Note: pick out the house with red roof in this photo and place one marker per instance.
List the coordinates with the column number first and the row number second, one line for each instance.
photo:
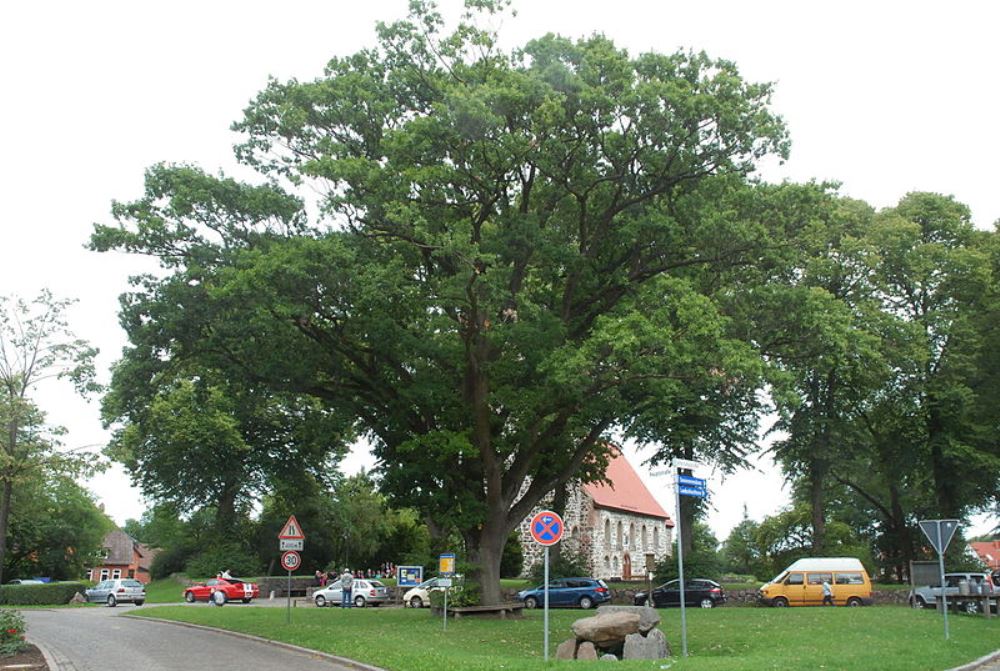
column 618, row 526
column 123, row 557
column 988, row 552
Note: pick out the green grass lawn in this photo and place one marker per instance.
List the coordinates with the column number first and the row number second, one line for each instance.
column 723, row 639
column 166, row 590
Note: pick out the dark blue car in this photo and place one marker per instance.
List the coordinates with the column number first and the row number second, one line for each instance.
column 568, row 593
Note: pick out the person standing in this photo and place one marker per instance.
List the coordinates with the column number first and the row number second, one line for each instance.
column 827, row 593
column 346, row 581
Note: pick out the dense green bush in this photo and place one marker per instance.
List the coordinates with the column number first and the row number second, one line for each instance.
column 47, row 594
column 170, row 561
column 11, row 632
column 512, row 559
column 565, row 564
column 232, row 557
column 464, row 594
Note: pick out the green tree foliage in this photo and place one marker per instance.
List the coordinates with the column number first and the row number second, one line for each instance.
column 36, row 344
column 512, row 561
column 703, row 561
column 511, row 265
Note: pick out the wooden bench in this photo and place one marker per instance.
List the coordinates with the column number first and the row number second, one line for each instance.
column 501, row 609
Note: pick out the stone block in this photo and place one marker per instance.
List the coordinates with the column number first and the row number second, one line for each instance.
column 609, row 658
column 566, row 649
column 586, row 651
column 607, row 631
column 653, row 646
column 649, row 619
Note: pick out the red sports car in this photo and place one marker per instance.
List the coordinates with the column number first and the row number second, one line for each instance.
column 221, row 590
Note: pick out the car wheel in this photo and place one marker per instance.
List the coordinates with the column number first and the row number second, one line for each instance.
column 189, row 597
column 246, row 600
column 320, row 601
column 219, row 598
column 112, row 601
column 531, row 602
column 707, row 603
column 139, row 603
column 970, row 607
column 854, row 602
column 586, row 602
column 917, row 602
column 780, row 602
column 416, row 602
column 640, row 601
column 359, row 602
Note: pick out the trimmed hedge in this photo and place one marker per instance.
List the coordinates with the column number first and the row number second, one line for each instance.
column 47, row 594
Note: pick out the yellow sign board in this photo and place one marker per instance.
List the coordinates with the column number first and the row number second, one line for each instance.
column 446, row 565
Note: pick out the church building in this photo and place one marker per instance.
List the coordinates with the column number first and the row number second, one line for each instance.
column 619, row 527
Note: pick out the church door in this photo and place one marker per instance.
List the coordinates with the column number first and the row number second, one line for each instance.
column 627, row 567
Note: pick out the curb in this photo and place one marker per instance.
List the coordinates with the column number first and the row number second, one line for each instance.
column 982, row 661
column 47, row 654
column 343, row 661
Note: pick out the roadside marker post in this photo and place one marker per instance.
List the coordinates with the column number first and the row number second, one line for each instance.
column 684, row 485
column 446, row 569
column 546, row 529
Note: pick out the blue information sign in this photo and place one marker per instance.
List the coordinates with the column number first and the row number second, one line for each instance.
column 697, row 492
column 691, row 481
column 409, row 576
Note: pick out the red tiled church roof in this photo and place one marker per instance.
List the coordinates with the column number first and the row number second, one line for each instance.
column 626, row 492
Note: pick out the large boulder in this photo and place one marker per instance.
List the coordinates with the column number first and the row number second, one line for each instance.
column 608, row 630
column 652, row 646
column 648, row 617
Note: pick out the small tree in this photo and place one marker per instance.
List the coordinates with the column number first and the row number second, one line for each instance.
column 36, row 344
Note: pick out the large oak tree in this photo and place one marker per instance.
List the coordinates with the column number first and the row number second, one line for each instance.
column 509, row 260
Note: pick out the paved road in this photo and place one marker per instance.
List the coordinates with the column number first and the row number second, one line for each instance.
column 99, row 639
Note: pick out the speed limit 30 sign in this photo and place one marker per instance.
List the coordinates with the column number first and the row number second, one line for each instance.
column 290, row 560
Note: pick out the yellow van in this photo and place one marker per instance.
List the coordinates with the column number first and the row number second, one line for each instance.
column 801, row 584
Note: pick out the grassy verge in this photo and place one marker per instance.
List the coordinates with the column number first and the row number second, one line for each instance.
column 722, row 639
column 167, row 590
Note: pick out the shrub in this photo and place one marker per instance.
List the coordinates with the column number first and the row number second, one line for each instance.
column 170, row 561
column 11, row 632
column 48, row 594
column 465, row 594
column 567, row 564
column 512, row 559
column 233, row 558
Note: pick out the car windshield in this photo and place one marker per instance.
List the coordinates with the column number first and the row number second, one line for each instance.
column 376, row 583
column 779, row 577
column 131, row 583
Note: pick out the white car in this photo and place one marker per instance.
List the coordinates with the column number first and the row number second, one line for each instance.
column 420, row 596
column 363, row 593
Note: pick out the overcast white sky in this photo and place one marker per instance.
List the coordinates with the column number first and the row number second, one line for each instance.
column 885, row 97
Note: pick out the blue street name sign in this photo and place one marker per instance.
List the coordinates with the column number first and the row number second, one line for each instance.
column 691, row 481
column 697, row 492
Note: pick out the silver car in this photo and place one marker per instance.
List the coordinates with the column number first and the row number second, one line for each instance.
column 364, row 592
column 119, row 590
column 926, row 596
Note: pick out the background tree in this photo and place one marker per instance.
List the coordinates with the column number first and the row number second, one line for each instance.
column 506, row 275
column 36, row 344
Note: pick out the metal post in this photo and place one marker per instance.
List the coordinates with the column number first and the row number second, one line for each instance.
column 446, row 608
column 288, row 600
column 546, row 615
column 944, row 596
column 680, row 564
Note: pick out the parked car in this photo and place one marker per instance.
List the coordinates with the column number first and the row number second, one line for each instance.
column 118, row 590
column 19, row 581
column 926, row 596
column 801, row 584
column 420, row 596
column 699, row 592
column 364, row 592
column 222, row 590
column 568, row 592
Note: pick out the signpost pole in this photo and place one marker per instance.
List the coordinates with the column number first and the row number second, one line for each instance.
column 546, row 616
column 680, row 562
column 944, row 595
column 446, row 590
column 288, row 600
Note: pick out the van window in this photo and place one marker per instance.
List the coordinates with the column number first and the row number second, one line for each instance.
column 819, row 578
column 853, row 578
column 794, row 579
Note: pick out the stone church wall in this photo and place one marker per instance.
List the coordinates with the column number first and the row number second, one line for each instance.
column 609, row 539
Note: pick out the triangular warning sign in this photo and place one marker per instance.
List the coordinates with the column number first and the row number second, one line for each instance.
column 291, row 530
column 939, row 532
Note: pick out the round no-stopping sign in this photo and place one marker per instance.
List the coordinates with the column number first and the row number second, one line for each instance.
column 546, row 527
column 290, row 560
